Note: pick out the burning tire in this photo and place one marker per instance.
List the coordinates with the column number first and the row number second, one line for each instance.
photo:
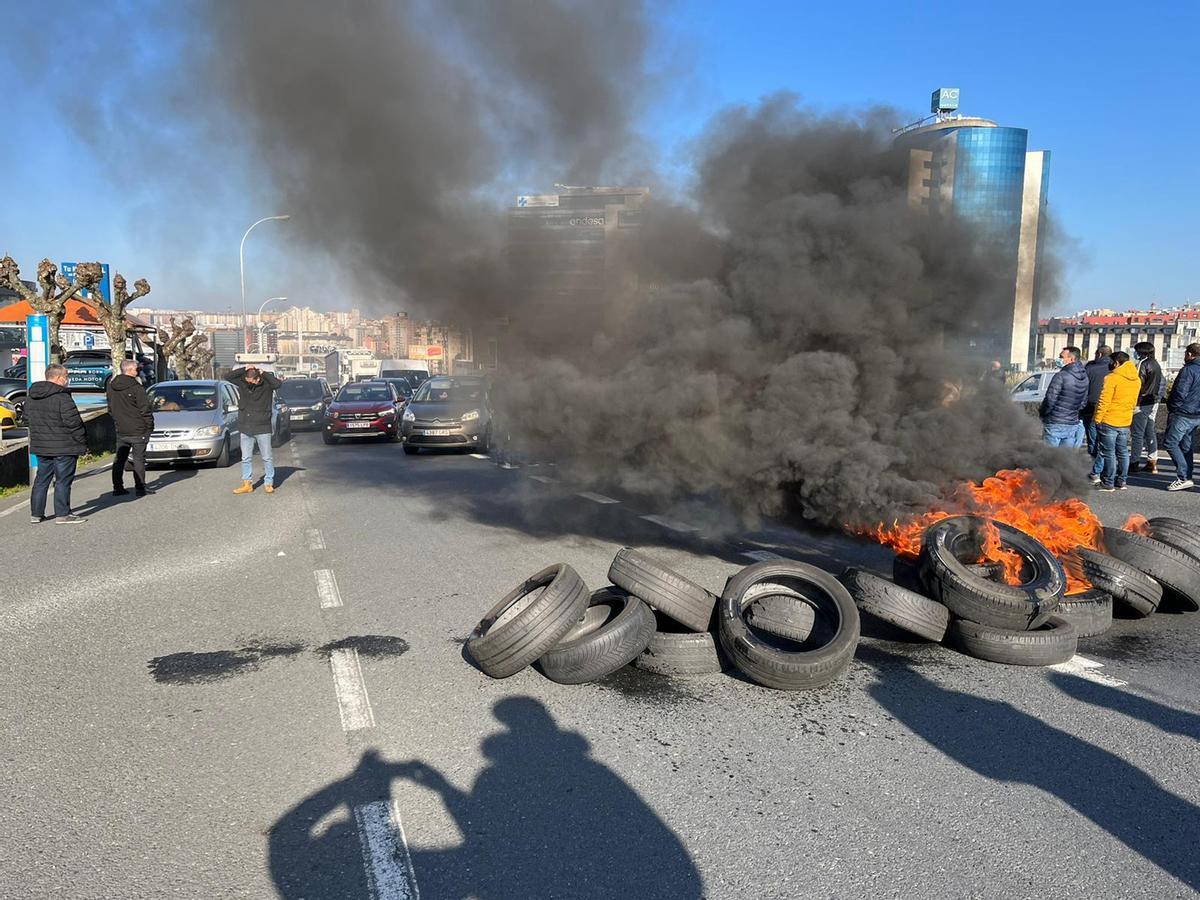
column 780, row 662
column 979, row 599
column 1172, row 568
column 1052, row 643
column 778, row 610
column 665, row 590
column 1178, row 534
column 898, row 606
column 674, row 651
column 531, row 619
column 1127, row 585
column 1091, row 612
column 615, row 628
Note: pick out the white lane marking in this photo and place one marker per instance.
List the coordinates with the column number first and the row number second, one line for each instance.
column 327, row 589
column 316, row 540
column 479, row 456
column 12, row 509
column 543, row 479
column 386, row 859
column 673, row 524
column 762, row 555
column 1083, row 667
column 24, row 504
column 597, row 498
column 353, row 704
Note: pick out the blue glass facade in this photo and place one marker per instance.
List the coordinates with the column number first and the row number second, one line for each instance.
column 989, row 178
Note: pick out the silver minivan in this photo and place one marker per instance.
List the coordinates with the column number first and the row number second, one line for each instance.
column 196, row 421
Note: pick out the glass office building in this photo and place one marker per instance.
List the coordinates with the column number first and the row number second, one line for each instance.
column 987, row 175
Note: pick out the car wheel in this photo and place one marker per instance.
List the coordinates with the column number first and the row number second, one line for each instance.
column 328, row 438
column 486, row 442
column 223, row 459
column 410, row 450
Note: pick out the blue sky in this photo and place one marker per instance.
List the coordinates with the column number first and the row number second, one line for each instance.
column 1108, row 89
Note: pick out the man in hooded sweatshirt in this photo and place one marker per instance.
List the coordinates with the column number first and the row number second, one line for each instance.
column 1114, row 413
column 57, row 437
column 1065, row 398
column 129, row 406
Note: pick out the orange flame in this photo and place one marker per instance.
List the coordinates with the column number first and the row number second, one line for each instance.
column 1138, row 524
column 1013, row 497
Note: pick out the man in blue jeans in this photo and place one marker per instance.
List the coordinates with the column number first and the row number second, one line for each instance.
column 1183, row 418
column 256, row 401
column 1065, row 398
column 57, row 437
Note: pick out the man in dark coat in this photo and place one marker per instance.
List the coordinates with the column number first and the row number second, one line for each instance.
column 1065, row 398
column 1144, row 431
column 256, row 401
column 129, row 406
column 58, row 439
column 1183, row 418
column 1097, row 370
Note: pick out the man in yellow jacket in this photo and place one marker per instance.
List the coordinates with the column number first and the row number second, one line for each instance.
column 1114, row 413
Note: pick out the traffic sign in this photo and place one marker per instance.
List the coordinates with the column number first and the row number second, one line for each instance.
column 89, row 341
column 68, row 272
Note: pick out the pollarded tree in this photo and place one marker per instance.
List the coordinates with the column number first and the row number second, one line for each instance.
column 175, row 346
column 198, row 356
column 112, row 315
column 55, row 291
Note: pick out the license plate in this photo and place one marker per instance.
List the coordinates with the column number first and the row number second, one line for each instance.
column 297, row 415
column 161, row 446
column 438, row 431
column 358, row 424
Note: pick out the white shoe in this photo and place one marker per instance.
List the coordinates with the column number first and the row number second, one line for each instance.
column 1180, row 484
column 1094, row 479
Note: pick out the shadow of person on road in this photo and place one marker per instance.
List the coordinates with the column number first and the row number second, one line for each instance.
column 1002, row 743
column 1168, row 718
column 543, row 819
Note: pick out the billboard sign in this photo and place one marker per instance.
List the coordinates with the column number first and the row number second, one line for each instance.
column 425, row 351
column 68, row 272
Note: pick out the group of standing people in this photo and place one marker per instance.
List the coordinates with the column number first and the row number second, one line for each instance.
column 1112, row 403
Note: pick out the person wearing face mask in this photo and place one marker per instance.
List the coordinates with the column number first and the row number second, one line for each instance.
column 1143, row 433
column 1114, row 413
column 1065, row 398
column 1183, row 418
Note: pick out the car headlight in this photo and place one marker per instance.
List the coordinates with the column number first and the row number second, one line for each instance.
column 387, row 413
column 409, row 416
column 316, row 407
column 470, row 416
column 333, row 415
column 208, row 431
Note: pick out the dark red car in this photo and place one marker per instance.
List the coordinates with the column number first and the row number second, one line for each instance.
column 364, row 409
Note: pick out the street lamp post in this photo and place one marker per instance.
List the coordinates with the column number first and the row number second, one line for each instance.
column 242, row 268
column 260, row 321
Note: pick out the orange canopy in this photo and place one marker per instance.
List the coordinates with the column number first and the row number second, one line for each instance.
column 78, row 313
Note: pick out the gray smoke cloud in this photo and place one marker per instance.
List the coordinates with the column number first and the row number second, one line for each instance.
column 792, row 344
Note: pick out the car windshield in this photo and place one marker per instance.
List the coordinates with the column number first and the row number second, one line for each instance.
column 403, row 388
column 298, row 389
column 449, row 390
column 183, row 397
column 1029, row 384
column 364, row 393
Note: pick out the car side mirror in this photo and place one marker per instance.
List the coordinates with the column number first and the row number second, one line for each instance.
column 232, row 408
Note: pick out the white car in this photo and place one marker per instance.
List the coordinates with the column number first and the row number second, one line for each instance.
column 1033, row 389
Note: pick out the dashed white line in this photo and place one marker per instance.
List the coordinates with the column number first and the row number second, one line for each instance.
column 1082, row 667
column 353, row 704
column 479, row 456
column 597, row 498
column 544, row 479
column 762, row 555
column 316, row 540
column 327, row 589
column 673, row 524
column 386, row 859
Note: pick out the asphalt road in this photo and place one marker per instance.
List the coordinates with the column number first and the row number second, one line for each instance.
column 209, row 695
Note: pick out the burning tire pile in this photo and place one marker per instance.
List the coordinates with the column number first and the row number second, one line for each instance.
column 942, row 596
column 783, row 624
column 791, row 626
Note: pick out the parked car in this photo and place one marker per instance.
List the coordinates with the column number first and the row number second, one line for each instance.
column 12, row 392
column 449, row 412
column 307, row 400
column 8, row 415
column 1032, row 389
column 196, row 421
column 364, row 409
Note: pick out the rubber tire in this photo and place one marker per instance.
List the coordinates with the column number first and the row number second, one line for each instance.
column 992, row 571
column 486, row 444
column 329, row 439
column 504, row 649
column 896, row 605
column 783, row 669
column 1172, row 568
column 675, row 652
column 906, row 572
column 1178, row 534
column 599, row 645
column 1053, row 643
column 665, row 590
column 979, row 599
column 411, row 451
column 1128, row 586
column 1091, row 612
column 773, row 608
column 224, row 458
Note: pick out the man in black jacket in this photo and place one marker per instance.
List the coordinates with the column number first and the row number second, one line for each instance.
column 129, row 407
column 1097, row 370
column 256, row 401
column 1065, row 399
column 1144, row 432
column 57, row 438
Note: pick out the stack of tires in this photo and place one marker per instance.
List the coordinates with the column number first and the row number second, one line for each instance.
column 783, row 624
column 1141, row 570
